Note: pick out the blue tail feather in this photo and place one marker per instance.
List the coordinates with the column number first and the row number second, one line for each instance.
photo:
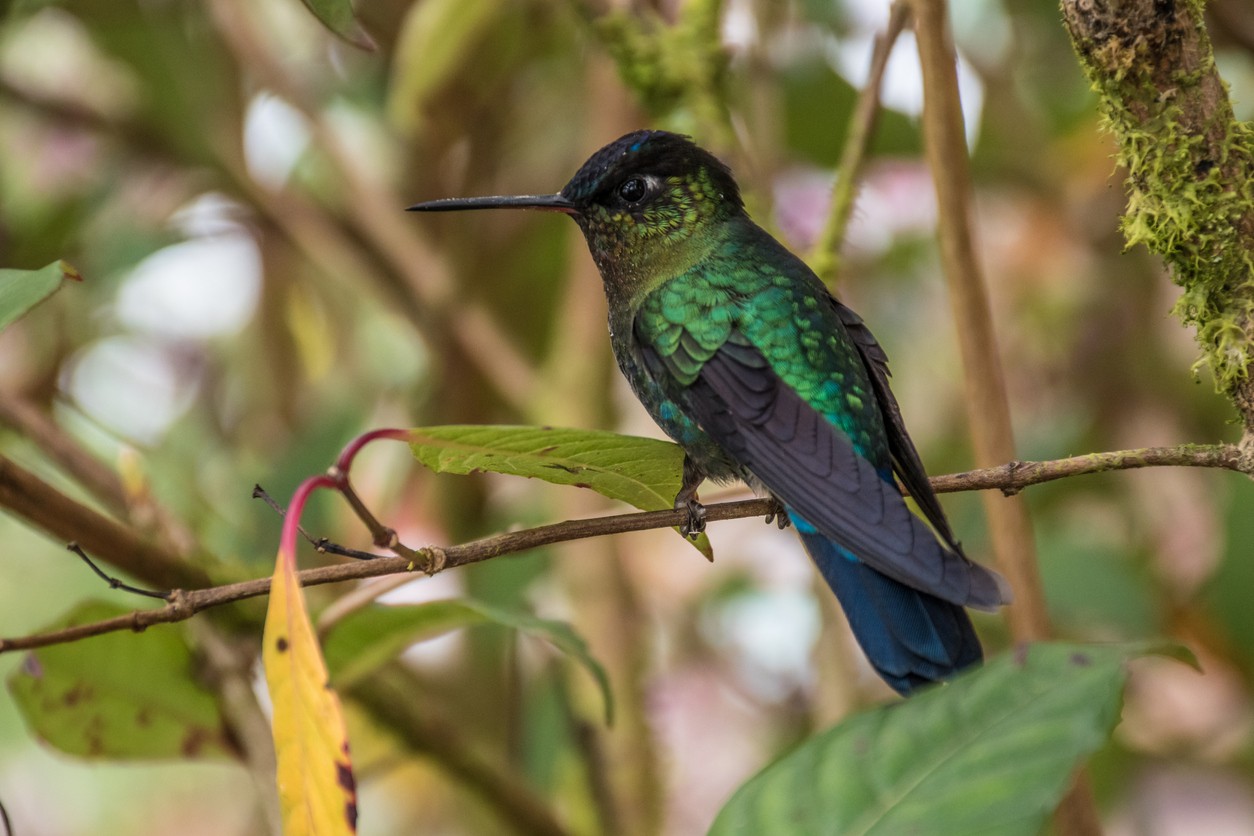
column 911, row 638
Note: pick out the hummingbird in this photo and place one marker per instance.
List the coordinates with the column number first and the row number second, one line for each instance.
column 743, row 357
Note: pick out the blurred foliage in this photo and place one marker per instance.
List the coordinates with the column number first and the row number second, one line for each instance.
column 120, row 696
column 311, row 308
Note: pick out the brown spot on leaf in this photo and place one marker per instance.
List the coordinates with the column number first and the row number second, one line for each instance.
column 79, row 693
column 280, row 644
column 344, row 777
column 1081, row 660
column 143, row 717
column 194, row 741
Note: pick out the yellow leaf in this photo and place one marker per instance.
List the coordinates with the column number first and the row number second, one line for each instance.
column 317, row 792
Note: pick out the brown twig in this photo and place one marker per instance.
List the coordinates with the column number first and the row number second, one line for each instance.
column 98, row 478
column 66, row 519
column 34, row 424
column 1009, row 477
column 115, row 583
column 228, row 668
column 988, row 408
column 1013, row 477
column 825, row 259
column 389, row 696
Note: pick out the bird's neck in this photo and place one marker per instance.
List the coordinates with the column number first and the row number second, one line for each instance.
column 632, row 271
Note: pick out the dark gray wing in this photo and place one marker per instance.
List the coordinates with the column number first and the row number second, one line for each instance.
column 811, row 466
column 906, row 462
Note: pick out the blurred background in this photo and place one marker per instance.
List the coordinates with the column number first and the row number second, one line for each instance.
column 230, row 179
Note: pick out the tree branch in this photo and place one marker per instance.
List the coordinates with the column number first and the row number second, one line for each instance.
column 1008, row 478
column 825, row 258
column 1012, row 477
column 1190, row 166
column 988, row 409
column 390, row 698
column 67, row 520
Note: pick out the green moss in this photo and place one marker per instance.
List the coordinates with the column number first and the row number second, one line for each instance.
column 677, row 71
column 1190, row 179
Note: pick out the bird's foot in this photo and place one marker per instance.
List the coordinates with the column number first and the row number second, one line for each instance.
column 779, row 516
column 686, row 499
column 695, row 524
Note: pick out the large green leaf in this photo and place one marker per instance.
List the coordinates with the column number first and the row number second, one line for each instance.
column 21, row 290
column 991, row 752
column 370, row 637
column 643, row 472
column 119, row 695
column 1227, row 594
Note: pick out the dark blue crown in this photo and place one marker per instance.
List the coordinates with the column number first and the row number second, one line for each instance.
column 660, row 153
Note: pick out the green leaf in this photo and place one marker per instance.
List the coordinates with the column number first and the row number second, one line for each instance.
column 643, row 472
column 991, row 752
column 1227, row 593
column 338, row 16
column 21, row 290
column 119, row 695
column 368, row 638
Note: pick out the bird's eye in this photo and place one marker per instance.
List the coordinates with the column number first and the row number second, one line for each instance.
column 632, row 191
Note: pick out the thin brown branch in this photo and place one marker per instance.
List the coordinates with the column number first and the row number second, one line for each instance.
column 116, row 583
column 1010, row 478
column 988, row 409
column 35, row 425
column 389, row 696
column 101, row 481
column 66, row 519
column 825, row 259
column 228, row 667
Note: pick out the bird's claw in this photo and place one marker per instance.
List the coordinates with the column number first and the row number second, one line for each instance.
column 695, row 524
column 779, row 516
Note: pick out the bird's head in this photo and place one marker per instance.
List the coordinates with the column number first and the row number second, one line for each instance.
column 640, row 201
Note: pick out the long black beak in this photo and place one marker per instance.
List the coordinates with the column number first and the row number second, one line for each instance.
column 543, row 202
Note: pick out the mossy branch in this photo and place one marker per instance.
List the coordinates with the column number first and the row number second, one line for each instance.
column 1190, row 167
